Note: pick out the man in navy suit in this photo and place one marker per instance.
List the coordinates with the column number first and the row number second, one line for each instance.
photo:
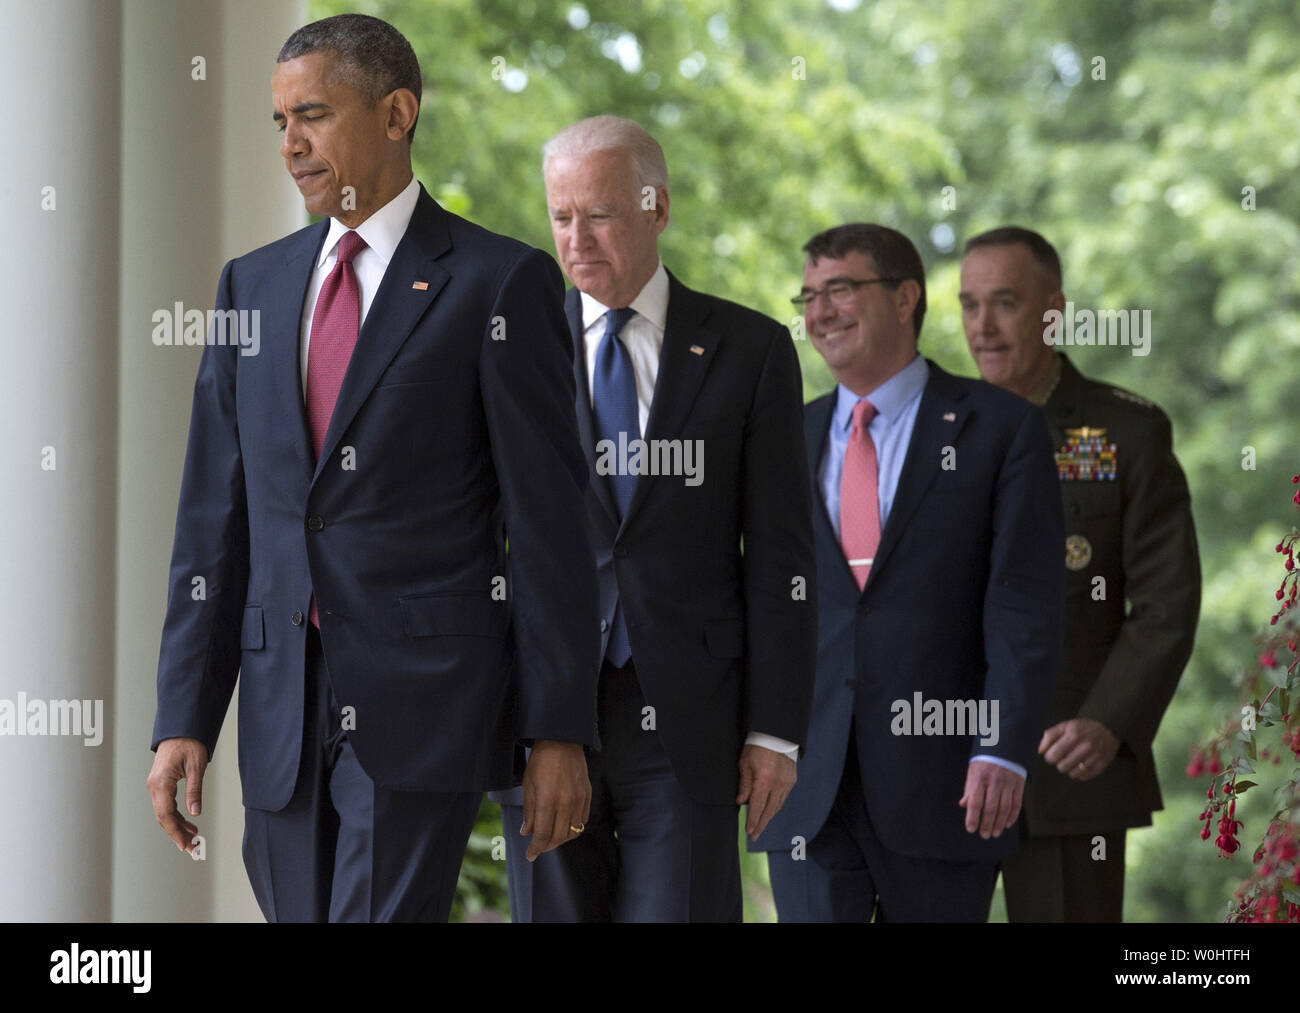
column 340, row 539
column 688, row 407
column 938, row 532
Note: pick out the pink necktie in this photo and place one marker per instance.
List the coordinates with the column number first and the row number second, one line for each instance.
column 859, row 500
column 334, row 327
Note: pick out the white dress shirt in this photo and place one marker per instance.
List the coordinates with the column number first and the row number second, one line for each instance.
column 644, row 337
column 382, row 231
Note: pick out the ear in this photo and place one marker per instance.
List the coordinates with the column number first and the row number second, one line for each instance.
column 1056, row 301
column 660, row 209
column 906, row 296
column 403, row 108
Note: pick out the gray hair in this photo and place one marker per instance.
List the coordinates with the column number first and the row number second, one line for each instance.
column 611, row 133
column 373, row 57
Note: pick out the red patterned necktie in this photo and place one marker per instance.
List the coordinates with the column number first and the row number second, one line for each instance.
column 859, row 499
column 333, row 336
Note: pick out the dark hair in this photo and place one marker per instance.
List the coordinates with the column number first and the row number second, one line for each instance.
column 891, row 252
column 1043, row 252
column 372, row 56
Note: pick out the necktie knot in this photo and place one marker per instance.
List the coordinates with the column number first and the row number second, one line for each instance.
column 350, row 244
column 863, row 412
column 616, row 319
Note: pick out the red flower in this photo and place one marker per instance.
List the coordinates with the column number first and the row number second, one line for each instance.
column 1227, row 842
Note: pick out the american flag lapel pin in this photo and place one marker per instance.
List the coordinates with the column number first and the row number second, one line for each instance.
column 950, row 416
column 697, row 349
column 420, row 286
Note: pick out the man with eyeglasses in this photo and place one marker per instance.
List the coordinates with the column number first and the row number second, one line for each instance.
column 937, row 527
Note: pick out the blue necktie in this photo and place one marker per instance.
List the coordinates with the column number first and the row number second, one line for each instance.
column 614, row 411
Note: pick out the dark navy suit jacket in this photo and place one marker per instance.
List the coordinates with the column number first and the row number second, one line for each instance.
column 723, row 641
column 444, row 442
column 964, row 601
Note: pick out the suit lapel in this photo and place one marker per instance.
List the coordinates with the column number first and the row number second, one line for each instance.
column 284, row 316
column 684, row 360
column 582, row 403
column 939, row 421
column 396, row 308
column 816, row 431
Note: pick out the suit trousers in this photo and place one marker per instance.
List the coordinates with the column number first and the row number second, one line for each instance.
column 1063, row 879
column 847, row 875
column 344, row 849
column 649, row 852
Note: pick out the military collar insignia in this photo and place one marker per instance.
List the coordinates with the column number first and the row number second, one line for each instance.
column 1130, row 396
column 1048, row 386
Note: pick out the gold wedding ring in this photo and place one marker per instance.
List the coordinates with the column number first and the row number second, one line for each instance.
column 579, row 828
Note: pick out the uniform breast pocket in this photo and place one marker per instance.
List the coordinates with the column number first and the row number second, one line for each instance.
column 1090, row 499
column 1094, row 515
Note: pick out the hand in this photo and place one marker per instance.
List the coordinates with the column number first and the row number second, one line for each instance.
column 1080, row 748
column 178, row 760
column 991, row 799
column 766, row 778
column 557, row 795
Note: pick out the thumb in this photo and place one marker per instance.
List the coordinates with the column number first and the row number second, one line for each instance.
column 193, row 787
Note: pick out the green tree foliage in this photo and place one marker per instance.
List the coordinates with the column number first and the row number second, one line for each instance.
column 783, row 118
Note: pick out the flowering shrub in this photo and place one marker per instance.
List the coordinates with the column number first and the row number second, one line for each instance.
column 1272, row 891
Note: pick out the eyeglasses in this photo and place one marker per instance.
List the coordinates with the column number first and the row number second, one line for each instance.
column 840, row 293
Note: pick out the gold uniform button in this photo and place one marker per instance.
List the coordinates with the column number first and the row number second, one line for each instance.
column 1078, row 552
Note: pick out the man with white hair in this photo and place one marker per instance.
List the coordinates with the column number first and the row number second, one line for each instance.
column 708, row 652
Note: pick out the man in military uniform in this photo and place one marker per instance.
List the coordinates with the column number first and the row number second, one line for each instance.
column 1133, row 588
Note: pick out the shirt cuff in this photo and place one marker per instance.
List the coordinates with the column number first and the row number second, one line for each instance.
column 1015, row 768
column 790, row 749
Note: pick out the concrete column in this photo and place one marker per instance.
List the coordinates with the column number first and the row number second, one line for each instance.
column 59, row 163
column 202, row 183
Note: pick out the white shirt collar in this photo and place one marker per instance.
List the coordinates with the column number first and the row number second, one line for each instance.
column 651, row 302
column 383, row 230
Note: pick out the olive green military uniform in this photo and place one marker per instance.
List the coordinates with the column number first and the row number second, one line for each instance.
column 1133, row 592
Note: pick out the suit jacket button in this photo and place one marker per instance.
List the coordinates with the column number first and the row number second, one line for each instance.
column 315, row 522
column 620, row 552
column 296, row 618
column 603, row 626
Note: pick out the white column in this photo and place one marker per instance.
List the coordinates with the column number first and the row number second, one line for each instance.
column 60, row 103
column 202, row 183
